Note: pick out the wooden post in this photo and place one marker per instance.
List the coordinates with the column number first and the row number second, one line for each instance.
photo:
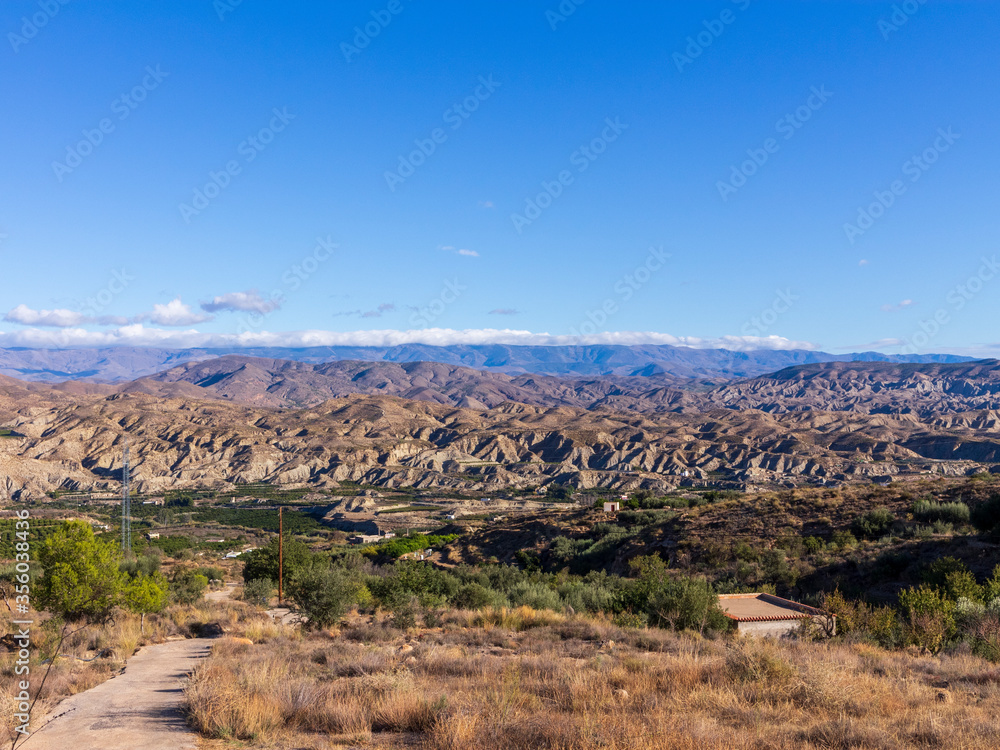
column 281, row 560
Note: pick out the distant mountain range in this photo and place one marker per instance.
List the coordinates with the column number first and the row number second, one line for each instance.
column 238, row 419
column 117, row 364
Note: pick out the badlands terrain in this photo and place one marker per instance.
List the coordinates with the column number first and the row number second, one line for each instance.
column 237, row 419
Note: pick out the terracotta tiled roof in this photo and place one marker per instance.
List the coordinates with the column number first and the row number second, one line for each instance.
column 764, row 608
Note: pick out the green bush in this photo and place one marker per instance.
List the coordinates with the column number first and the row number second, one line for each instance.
column 812, row 544
column 400, row 546
column 986, row 515
column 874, row 524
column 212, row 573
column 687, row 604
column 477, row 596
column 991, row 588
column 144, row 565
column 936, row 574
column 928, row 616
column 536, row 596
column 323, row 593
column 929, row 511
column 187, row 586
column 258, row 591
column 843, row 540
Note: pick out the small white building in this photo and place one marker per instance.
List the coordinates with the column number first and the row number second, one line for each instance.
column 153, row 535
column 769, row 615
column 612, row 507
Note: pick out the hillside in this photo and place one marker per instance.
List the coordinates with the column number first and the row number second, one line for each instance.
column 75, row 442
column 870, row 388
column 284, row 383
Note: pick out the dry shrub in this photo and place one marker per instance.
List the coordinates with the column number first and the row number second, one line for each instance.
column 224, row 704
column 848, row 734
column 405, row 711
column 517, row 619
column 757, row 662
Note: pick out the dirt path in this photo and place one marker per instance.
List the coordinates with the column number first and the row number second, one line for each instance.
column 139, row 709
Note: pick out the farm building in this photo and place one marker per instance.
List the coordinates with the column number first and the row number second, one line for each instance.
column 769, row 615
column 612, row 507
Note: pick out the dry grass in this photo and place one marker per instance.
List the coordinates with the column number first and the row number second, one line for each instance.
column 90, row 655
column 494, row 681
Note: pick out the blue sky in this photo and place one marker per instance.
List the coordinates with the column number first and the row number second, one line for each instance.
column 741, row 174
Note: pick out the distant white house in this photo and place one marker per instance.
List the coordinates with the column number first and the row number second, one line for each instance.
column 623, row 498
column 612, row 507
column 152, row 534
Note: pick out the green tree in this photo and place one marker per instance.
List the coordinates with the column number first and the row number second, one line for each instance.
column 146, row 595
column 263, row 562
column 81, row 574
column 258, row 591
column 187, row 586
column 323, row 593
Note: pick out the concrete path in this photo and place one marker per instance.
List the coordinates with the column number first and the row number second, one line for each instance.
column 139, row 709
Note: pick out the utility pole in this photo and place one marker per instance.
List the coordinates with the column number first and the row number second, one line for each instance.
column 281, row 557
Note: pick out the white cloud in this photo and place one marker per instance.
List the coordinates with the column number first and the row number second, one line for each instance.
column 249, row 301
column 140, row 335
column 503, row 311
column 176, row 313
column 376, row 313
column 459, row 251
column 55, row 318
column 486, row 204
column 862, row 262
column 904, row 304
